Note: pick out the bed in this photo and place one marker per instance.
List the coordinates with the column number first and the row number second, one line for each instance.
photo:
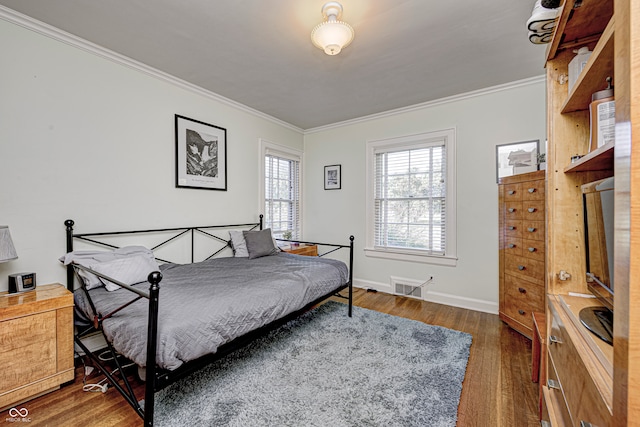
column 186, row 315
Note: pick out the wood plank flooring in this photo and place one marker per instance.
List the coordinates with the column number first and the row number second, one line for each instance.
column 497, row 389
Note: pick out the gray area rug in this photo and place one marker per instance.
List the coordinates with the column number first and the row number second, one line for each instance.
column 327, row 370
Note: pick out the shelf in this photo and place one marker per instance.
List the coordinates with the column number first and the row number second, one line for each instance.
column 599, row 159
column 579, row 25
column 594, row 75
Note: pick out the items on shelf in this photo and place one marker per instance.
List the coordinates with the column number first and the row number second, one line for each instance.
column 542, row 23
column 577, row 64
column 602, row 117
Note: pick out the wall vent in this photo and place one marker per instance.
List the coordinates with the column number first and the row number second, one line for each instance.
column 408, row 290
column 410, row 287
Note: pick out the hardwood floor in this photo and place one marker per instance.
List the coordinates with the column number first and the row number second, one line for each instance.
column 497, row 389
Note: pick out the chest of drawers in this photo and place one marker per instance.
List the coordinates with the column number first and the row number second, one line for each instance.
column 521, row 210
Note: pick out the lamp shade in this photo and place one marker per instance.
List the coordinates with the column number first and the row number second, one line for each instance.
column 7, row 250
column 332, row 35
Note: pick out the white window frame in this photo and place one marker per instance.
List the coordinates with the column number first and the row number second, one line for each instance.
column 270, row 148
column 446, row 136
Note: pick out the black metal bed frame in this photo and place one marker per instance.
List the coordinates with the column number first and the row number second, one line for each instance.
column 156, row 378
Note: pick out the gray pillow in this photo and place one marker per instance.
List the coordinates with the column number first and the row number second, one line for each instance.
column 259, row 243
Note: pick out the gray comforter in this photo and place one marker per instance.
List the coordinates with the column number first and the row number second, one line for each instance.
column 207, row 304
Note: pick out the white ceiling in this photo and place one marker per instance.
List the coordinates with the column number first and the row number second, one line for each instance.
column 259, row 52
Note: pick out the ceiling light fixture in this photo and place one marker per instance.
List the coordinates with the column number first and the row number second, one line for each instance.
column 332, row 35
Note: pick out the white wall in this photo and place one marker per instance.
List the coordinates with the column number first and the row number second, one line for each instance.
column 86, row 138
column 510, row 113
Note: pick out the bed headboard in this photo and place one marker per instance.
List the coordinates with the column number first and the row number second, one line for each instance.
column 168, row 236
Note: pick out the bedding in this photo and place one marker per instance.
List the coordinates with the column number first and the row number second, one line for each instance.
column 207, row 304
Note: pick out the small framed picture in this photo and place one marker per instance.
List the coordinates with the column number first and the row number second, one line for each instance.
column 201, row 155
column 516, row 158
column 332, row 177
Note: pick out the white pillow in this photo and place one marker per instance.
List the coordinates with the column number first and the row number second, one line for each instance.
column 129, row 270
column 90, row 259
column 238, row 244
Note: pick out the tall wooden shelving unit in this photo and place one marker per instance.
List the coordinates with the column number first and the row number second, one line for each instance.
column 587, row 380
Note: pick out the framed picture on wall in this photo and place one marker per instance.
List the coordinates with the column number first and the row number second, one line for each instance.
column 516, row 158
column 332, row 177
column 201, row 155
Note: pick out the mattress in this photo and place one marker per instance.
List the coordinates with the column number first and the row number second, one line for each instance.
column 207, row 304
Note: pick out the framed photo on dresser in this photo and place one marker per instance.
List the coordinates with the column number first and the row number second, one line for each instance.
column 516, row 158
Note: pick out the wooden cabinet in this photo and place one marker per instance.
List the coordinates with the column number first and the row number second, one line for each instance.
column 302, row 249
column 36, row 343
column 522, row 249
column 586, row 383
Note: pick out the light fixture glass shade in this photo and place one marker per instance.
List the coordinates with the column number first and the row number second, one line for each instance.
column 7, row 250
column 332, row 36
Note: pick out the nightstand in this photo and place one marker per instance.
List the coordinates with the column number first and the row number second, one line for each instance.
column 36, row 343
column 301, row 249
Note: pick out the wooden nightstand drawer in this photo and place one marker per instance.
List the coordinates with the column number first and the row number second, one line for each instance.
column 533, row 210
column 524, row 267
column 533, row 230
column 513, row 210
column 512, row 192
column 533, row 249
column 533, row 190
column 513, row 246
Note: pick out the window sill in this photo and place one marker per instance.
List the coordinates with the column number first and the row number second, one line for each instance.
column 412, row 256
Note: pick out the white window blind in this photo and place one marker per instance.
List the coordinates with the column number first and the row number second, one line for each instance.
column 282, row 194
column 410, row 198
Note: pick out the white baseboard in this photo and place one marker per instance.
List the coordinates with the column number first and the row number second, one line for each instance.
column 436, row 297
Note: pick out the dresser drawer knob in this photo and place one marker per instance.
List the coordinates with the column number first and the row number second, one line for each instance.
column 554, row 340
column 522, row 290
column 531, row 229
column 512, row 210
column 531, row 190
column 512, row 227
column 511, row 246
column 532, row 249
column 553, row 384
column 522, row 312
column 531, row 210
column 521, row 267
column 511, row 192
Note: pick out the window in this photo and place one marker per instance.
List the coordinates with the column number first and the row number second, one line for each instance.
column 411, row 198
column 281, row 190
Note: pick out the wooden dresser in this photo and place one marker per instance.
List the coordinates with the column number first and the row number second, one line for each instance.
column 36, row 343
column 301, row 249
column 522, row 249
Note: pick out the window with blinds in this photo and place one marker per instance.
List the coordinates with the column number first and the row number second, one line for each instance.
column 282, row 195
column 411, row 198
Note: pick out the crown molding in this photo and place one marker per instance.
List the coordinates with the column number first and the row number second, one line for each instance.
column 429, row 104
column 57, row 34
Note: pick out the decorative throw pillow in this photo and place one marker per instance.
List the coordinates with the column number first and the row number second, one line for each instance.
column 259, row 243
column 238, row 244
